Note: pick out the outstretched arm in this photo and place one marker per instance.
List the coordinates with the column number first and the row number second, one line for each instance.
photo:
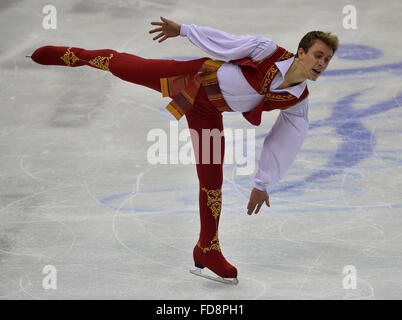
column 215, row 42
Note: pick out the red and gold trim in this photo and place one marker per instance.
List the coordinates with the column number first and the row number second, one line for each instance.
column 99, row 62
column 273, row 70
column 69, row 58
column 214, row 202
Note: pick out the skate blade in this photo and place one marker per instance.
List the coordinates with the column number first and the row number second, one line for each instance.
column 198, row 272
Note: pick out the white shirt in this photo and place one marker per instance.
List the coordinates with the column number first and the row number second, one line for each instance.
column 286, row 136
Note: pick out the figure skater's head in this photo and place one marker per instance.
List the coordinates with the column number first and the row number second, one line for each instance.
column 315, row 51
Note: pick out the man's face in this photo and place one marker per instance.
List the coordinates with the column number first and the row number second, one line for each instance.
column 316, row 59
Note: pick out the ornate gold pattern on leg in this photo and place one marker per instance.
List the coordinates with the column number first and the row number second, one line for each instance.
column 215, row 204
column 69, row 58
column 214, row 245
column 101, row 62
column 214, row 201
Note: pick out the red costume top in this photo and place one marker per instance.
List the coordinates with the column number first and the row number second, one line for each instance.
column 259, row 74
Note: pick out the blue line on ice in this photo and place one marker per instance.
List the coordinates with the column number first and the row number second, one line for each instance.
column 357, row 144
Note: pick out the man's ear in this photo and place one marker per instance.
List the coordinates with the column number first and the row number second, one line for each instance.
column 300, row 52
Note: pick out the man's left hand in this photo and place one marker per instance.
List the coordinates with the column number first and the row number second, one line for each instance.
column 257, row 199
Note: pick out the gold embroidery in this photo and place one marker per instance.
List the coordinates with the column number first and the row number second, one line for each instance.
column 69, row 57
column 286, row 56
column 214, row 202
column 272, row 72
column 278, row 97
column 268, row 78
column 101, row 62
column 214, row 245
column 292, row 104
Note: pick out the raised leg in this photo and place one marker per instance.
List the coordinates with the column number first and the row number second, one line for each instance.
column 128, row 67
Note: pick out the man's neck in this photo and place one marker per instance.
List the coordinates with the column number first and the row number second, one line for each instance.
column 296, row 74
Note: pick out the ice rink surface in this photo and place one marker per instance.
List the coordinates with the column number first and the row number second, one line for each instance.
column 78, row 194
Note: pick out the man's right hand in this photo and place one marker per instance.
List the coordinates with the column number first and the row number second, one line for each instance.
column 168, row 29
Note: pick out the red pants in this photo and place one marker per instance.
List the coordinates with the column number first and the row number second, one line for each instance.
column 202, row 115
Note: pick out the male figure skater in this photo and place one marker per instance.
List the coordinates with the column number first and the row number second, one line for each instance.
column 256, row 75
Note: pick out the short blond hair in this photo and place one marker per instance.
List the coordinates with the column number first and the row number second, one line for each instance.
column 311, row 37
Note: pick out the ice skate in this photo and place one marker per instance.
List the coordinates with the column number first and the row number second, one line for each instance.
column 207, row 252
column 198, row 272
column 211, row 258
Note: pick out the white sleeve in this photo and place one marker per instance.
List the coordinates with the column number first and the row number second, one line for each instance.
column 226, row 46
column 281, row 146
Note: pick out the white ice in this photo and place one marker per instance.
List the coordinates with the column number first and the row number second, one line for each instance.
column 78, row 193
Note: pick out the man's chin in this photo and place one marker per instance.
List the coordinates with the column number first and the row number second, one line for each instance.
column 313, row 76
